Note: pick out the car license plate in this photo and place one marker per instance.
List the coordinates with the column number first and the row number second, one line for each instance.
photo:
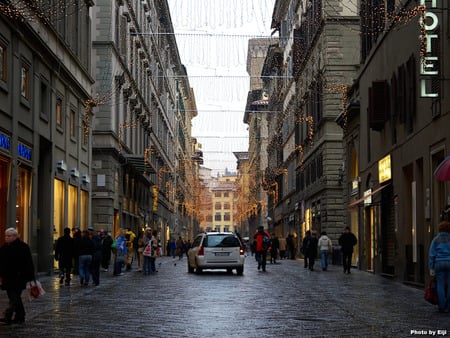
column 222, row 253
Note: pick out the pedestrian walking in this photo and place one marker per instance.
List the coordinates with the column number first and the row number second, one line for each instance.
column 107, row 241
column 147, row 252
column 120, row 252
column 64, row 255
column 311, row 250
column 262, row 240
column 274, row 246
column 325, row 245
column 291, row 246
column 347, row 241
column 439, row 265
column 97, row 256
column 130, row 236
column 304, row 248
column 140, row 249
column 16, row 270
column 155, row 250
column 173, row 247
column 168, row 248
column 86, row 251
column 180, row 248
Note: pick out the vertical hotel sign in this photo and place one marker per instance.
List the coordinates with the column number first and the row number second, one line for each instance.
column 429, row 58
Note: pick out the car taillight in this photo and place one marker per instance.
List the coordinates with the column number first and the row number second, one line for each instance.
column 201, row 251
column 241, row 250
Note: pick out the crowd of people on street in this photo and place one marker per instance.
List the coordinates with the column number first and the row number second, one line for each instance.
column 285, row 248
column 86, row 252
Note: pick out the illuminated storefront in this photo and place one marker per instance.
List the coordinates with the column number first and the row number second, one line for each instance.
column 72, row 207
column 23, row 202
column 58, row 208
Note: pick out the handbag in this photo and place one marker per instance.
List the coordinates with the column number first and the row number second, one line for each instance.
column 35, row 290
column 431, row 295
column 147, row 250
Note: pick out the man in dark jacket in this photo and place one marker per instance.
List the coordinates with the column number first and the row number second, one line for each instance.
column 311, row 251
column 305, row 246
column 96, row 257
column 107, row 241
column 274, row 246
column 16, row 269
column 64, row 253
column 347, row 241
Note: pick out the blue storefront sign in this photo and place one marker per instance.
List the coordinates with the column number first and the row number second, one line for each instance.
column 5, row 142
column 24, row 152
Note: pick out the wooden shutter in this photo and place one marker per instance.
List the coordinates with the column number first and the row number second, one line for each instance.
column 378, row 104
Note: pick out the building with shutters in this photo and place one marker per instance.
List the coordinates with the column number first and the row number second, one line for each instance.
column 394, row 136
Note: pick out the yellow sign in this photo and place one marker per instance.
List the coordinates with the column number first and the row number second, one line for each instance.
column 384, row 169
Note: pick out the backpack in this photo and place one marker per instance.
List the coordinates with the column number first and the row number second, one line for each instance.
column 266, row 242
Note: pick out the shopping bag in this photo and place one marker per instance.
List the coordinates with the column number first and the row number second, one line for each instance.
column 35, row 290
column 431, row 295
column 147, row 250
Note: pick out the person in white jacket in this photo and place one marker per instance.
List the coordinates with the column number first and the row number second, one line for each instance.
column 324, row 245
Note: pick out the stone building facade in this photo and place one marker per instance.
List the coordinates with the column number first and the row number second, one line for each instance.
column 307, row 75
column 141, row 133
column 257, row 117
column 394, row 136
column 45, row 122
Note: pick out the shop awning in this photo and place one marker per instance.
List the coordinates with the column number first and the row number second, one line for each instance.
column 355, row 203
column 139, row 164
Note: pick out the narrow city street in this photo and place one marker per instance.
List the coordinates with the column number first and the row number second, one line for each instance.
column 285, row 301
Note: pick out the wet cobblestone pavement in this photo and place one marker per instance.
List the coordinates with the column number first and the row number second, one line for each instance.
column 285, row 301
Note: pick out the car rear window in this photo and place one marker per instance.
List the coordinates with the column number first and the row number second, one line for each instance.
column 221, row 241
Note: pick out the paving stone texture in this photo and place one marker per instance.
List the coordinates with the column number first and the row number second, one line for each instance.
column 285, row 301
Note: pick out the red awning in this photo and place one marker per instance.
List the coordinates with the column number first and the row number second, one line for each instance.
column 355, row 203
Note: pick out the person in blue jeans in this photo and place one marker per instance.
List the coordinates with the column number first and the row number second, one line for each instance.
column 86, row 251
column 120, row 252
column 147, row 266
column 439, row 264
column 325, row 246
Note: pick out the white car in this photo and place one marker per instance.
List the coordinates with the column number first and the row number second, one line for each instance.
column 216, row 250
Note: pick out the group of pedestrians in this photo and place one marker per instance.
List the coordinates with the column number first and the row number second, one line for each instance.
column 312, row 245
column 178, row 247
column 86, row 252
column 265, row 243
column 279, row 248
column 148, row 249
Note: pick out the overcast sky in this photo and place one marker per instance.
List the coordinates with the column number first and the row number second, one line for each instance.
column 212, row 38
